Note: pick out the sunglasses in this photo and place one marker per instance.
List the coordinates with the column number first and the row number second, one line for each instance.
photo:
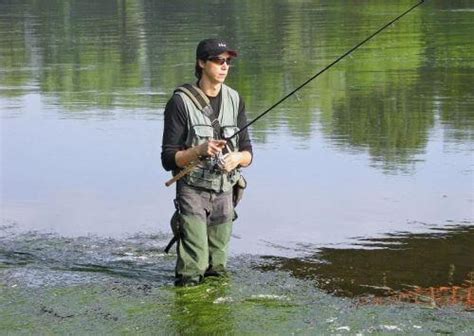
column 220, row 60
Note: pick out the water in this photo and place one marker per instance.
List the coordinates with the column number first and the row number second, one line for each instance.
column 375, row 152
column 58, row 285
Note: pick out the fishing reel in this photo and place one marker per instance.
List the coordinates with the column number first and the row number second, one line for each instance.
column 219, row 162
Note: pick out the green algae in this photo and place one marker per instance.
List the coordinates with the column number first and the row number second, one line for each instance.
column 131, row 292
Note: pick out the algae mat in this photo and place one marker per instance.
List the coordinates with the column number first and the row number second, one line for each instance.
column 88, row 285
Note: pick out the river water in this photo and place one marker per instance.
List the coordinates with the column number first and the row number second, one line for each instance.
column 362, row 180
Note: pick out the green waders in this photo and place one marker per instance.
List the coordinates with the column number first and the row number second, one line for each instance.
column 204, row 233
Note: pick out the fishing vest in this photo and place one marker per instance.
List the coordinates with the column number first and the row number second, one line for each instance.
column 206, row 175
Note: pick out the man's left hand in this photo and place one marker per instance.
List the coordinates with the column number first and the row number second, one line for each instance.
column 231, row 161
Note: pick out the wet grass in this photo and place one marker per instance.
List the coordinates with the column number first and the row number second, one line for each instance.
column 54, row 285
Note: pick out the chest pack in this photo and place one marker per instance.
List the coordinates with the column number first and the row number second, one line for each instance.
column 204, row 123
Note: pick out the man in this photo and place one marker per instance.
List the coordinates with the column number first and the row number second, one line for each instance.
column 205, row 209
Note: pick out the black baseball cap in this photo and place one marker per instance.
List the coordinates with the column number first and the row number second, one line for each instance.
column 213, row 47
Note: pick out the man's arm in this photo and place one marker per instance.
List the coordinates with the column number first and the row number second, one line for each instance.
column 245, row 145
column 244, row 156
column 175, row 132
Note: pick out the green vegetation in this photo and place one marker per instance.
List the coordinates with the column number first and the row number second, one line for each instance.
column 52, row 285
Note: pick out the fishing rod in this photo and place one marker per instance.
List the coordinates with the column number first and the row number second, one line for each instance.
column 194, row 163
column 324, row 70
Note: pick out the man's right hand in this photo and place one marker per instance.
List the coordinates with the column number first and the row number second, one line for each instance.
column 211, row 147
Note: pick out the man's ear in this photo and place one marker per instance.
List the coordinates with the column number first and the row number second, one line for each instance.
column 201, row 63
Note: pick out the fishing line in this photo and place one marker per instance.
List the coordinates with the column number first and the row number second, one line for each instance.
column 324, row 70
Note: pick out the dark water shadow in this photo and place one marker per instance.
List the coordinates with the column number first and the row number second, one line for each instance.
column 438, row 258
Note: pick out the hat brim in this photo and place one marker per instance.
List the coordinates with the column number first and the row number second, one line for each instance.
column 217, row 52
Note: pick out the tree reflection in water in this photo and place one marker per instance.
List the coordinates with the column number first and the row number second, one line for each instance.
column 436, row 267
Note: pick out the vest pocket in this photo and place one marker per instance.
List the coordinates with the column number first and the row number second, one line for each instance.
column 204, row 178
column 201, row 133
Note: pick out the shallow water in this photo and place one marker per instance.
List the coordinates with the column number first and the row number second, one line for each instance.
column 51, row 284
column 362, row 181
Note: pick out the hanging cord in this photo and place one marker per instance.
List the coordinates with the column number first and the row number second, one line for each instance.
column 324, row 70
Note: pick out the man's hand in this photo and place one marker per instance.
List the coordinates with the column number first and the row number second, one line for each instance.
column 210, row 148
column 231, row 161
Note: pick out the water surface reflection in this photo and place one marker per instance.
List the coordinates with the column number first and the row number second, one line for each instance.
column 437, row 258
column 383, row 140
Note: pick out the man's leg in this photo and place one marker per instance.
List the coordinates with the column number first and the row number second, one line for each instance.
column 218, row 240
column 192, row 251
column 219, row 232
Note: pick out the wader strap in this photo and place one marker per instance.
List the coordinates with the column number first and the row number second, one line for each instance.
column 170, row 244
column 175, row 234
column 202, row 102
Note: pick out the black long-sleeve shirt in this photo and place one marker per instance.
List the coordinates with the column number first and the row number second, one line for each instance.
column 175, row 129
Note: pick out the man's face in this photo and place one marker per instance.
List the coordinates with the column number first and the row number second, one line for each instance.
column 216, row 68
